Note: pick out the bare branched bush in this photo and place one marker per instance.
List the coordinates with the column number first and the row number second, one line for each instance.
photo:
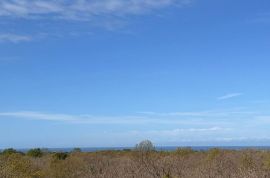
column 139, row 163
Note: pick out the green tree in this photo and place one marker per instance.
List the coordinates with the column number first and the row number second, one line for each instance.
column 76, row 150
column 145, row 146
column 60, row 156
column 9, row 151
column 36, row 153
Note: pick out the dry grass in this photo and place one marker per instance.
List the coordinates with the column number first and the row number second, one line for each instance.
column 183, row 163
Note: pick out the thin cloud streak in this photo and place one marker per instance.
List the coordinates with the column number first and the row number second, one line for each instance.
column 79, row 119
column 81, row 9
column 176, row 128
column 229, row 96
column 107, row 14
column 185, row 118
column 89, row 119
column 14, row 38
column 38, row 116
column 201, row 114
column 180, row 131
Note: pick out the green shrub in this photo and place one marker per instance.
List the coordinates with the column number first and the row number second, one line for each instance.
column 184, row 151
column 36, row 153
column 266, row 161
column 247, row 161
column 77, row 150
column 18, row 166
column 213, row 153
column 60, row 156
column 9, row 151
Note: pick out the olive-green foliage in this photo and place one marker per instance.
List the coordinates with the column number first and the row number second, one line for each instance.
column 167, row 176
column 266, row 161
column 247, row 161
column 60, row 156
column 72, row 167
column 18, row 166
column 36, row 153
column 213, row 153
column 76, row 150
column 184, row 151
column 9, row 151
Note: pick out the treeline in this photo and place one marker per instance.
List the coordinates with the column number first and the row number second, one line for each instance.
column 143, row 162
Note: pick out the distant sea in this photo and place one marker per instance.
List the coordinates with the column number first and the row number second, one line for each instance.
column 159, row 148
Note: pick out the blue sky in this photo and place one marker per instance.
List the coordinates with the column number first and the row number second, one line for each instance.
column 78, row 73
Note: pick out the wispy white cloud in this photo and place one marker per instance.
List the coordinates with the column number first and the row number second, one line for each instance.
column 80, row 9
column 39, row 116
column 79, row 119
column 203, row 118
column 180, row 131
column 225, row 125
column 174, row 136
column 201, row 114
column 229, row 96
column 14, row 38
column 184, row 118
column 45, row 14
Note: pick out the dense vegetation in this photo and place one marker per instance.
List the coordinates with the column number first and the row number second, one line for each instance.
column 143, row 162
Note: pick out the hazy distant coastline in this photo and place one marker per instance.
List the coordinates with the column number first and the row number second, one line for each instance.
column 158, row 148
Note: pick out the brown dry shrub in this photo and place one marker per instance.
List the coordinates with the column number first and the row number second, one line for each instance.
column 183, row 163
column 18, row 166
